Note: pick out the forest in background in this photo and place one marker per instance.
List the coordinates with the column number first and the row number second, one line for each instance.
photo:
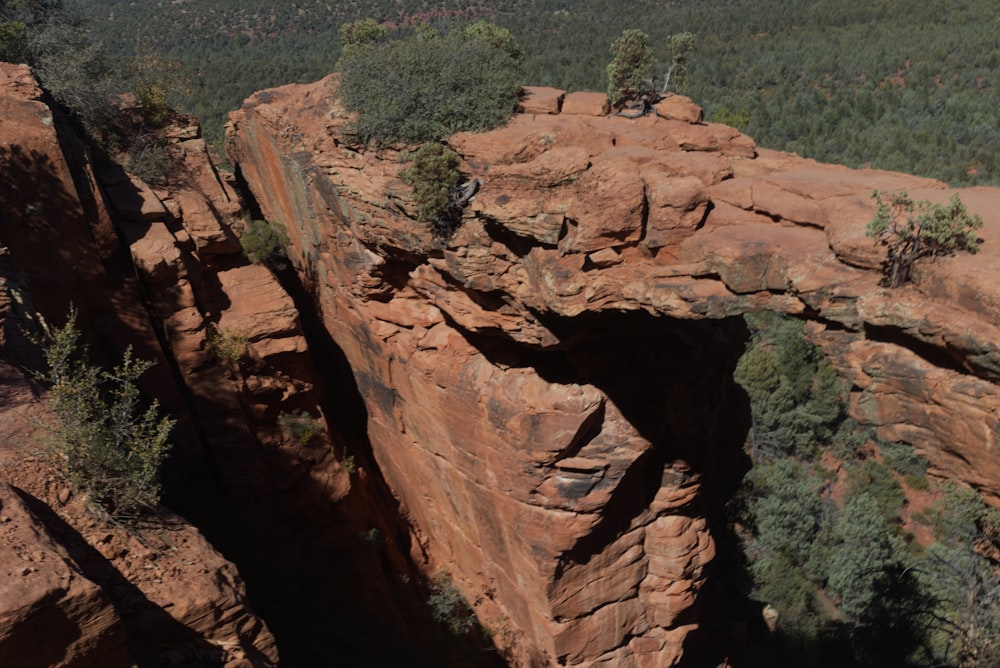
column 892, row 84
column 862, row 558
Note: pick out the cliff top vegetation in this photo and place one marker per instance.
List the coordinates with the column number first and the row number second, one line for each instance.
column 428, row 86
column 911, row 89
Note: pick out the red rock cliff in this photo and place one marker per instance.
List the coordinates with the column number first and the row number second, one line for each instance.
column 75, row 590
column 549, row 392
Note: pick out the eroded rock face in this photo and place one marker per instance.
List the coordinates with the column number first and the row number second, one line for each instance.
column 77, row 591
column 47, row 597
column 549, row 391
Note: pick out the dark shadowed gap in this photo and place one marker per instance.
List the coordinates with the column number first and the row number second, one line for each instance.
column 673, row 381
column 342, row 589
column 936, row 356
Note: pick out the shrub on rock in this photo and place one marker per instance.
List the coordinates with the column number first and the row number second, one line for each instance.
column 418, row 89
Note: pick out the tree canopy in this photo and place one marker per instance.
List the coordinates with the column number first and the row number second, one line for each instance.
column 425, row 88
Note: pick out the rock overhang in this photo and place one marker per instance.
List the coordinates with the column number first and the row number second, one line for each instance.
column 583, row 219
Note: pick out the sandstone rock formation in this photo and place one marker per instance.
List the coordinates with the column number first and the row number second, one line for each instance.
column 158, row 267
column 78, row 591
column 549, row 392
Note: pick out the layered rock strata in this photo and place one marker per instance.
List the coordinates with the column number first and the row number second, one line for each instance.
column 78, row 591
column 549, row 391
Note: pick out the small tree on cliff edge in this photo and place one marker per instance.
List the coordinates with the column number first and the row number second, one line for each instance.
column 911, row 230
column 632, row 59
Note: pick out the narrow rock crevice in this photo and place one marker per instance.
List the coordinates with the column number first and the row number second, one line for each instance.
column 938, row 356
column 329, row 579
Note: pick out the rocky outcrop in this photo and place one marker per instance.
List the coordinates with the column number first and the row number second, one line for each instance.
column 549, row 391
column 78, row 591
column 46, row 596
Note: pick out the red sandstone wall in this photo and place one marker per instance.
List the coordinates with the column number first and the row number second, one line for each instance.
column 514, row 455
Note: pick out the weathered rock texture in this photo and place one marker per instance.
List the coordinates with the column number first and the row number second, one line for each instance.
column 549, row 392
column 76, row 591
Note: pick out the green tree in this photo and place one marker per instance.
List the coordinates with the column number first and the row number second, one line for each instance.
column 875, row 479
column 681, row 47
column 17, row 17
column 111, row 446
column 864, row 560
column 785, row 511
column 631, row 61
column 70, row 65
column 911, row 230
column 796, row 399
column 366, row 31
column 13, row 40
column 356, row 37
column 413, row 90
column 497, row 37
column 963, row 585
column 786, row 508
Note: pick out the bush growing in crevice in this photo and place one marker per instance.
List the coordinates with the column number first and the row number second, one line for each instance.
column 111, row 447
column 449, row 607
column 433, row 174
column 300, row 426
column 229, row 346
column 264, row 242
column 149, row 159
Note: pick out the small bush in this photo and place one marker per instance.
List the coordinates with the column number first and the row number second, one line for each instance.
column 112, row 448
column 228, row 345
column 152, row 98
column 902, row 458
column 158, row 81
column 433, row 175
column 448, row 606
column 149, row 160
column 917, row 482
column 877, row 481
column 739, row 119
column 300, row 426
column 264, row 242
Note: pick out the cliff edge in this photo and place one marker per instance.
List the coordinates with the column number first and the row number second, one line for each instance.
column 549, row 391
